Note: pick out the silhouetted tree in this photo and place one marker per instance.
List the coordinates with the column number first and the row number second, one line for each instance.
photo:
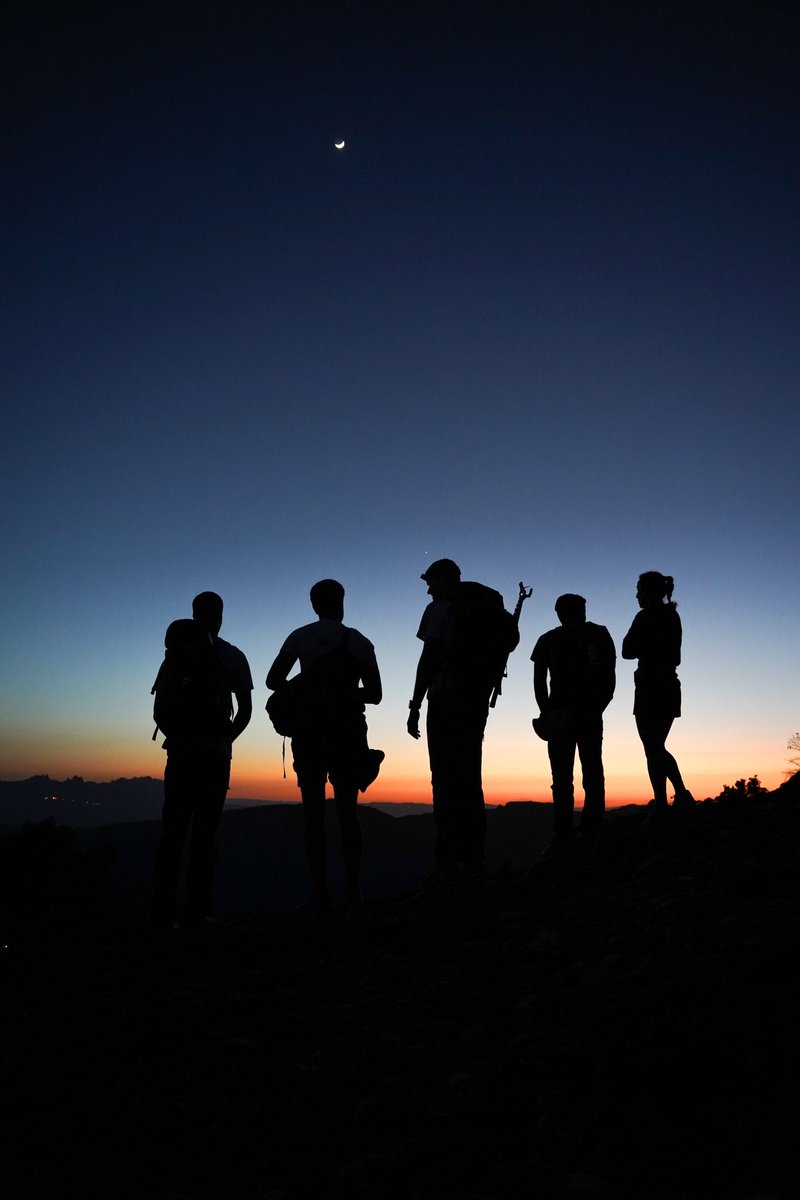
column 794, row 744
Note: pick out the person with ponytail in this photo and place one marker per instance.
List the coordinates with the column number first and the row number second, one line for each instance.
column 654, row 639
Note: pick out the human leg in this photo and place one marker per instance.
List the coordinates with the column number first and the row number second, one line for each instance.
column 561, row 752
column 211, row 788
column 346, row 800
column 590, row 751
column 443, row 762
column 347, row 752
column 313, row 798
column 455, row 724
column 653, row 731
column 311, row 779
column 175, row 817
column 472, row 810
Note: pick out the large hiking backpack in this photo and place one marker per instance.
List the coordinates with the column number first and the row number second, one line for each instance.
column 192, row 689
column 325, row 690
column 484, row 634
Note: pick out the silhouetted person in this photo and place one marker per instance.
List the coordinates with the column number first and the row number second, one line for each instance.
column 574, row 675
column 200, row 674
column 463, row 654
column 332, row 741
column 654, row 639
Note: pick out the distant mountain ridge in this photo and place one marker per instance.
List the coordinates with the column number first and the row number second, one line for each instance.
column 80, row 802
column 84, row 804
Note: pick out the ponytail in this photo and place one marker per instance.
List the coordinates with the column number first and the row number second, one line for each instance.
column 669, row 585
column 663, row 584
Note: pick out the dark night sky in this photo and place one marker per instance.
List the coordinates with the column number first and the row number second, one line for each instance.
column 540, row 316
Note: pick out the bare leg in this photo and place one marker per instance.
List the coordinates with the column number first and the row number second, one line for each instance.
column 347, row 811
column 314, row 822
column 661, row 765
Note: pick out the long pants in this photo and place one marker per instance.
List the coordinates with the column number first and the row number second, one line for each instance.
column 456, row 722
column 195, row 786
column 585, row 735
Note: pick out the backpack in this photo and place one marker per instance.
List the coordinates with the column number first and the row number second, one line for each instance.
column 318, row 694
column 484, row 634
column 192, row 689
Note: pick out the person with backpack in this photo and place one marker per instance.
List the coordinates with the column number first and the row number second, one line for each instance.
column 574, row 677
column 200, row 674
column 338, row 676
column 467, row 636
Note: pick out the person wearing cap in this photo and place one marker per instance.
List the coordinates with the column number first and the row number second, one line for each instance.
column 574, row 676
column 458, row 706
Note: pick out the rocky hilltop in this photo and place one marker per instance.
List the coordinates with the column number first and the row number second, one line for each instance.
column 620, row 1022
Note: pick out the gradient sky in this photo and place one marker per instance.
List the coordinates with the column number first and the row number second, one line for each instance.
column 540, row 316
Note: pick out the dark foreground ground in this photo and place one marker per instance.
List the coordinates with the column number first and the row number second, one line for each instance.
column 620, row 1023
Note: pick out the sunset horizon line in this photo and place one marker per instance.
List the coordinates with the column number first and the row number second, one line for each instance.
column 406, row 793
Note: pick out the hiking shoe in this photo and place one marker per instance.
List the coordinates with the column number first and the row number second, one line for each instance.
column 684, row 800
column 657, row 814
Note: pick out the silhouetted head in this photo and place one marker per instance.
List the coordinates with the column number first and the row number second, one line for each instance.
column 654, row 588
column 571, row 609
column 327, row 599
column 207, row 612
column 442, row 578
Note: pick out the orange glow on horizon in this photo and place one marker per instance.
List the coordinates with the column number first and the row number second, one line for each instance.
column 508, row 775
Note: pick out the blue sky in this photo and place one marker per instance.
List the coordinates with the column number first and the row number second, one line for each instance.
column 539, row 316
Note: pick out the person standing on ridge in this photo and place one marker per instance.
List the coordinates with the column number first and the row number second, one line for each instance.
column 654, row 639
column 466, row 635
column 341, row 673
column 574, row 675
column 200, row 674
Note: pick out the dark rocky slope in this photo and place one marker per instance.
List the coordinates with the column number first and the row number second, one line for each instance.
column 617, row 1023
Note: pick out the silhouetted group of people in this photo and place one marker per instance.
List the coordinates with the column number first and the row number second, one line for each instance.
column 203, row 702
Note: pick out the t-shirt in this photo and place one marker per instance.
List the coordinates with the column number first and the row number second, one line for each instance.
column 320, row 637
column 655, row 639
column 235, row 663
column 437, row 626
column 581, row 662
column 238, row 668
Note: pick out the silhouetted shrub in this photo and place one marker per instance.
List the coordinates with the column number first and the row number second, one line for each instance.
column 742, row 792
column 48, row 884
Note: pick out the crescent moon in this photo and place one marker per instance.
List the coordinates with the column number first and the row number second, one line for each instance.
column 340, row 145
